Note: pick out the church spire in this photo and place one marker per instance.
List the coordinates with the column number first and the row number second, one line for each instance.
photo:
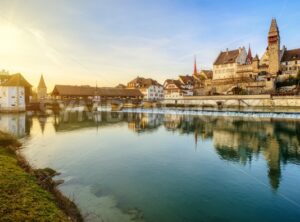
column 195, row 65
column 273, row 28
column 249, row 56
column 42, row 84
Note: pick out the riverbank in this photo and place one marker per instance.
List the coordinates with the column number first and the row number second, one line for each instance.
column 27, row 194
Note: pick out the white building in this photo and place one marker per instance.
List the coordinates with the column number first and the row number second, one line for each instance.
column 14, row 94
column 153, row 92
column 150, row 88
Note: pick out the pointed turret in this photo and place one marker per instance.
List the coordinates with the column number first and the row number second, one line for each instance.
column 42, row 89
column 42, row 84
column 273, row 28
column 249, row 56
column 195, row 66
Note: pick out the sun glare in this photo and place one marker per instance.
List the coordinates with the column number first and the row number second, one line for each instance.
column 9, row 38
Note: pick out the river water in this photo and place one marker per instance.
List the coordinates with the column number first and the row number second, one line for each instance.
column 168, row 167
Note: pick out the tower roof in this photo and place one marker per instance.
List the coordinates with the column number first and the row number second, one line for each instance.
column 42, row 84
column 195, row 66
column 249, row 56
column 273, row 28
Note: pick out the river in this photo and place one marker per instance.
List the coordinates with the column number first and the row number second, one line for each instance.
column 168, row 167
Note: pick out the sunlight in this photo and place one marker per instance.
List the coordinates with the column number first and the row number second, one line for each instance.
column 9, row 38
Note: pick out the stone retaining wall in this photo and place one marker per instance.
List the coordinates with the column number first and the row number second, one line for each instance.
column 236, row 100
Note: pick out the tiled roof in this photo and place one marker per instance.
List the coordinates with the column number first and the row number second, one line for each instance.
column 42, row 84
column 208, row 73
column 177, row 83
column 291, row 55
column 186, row 79
column 227, row 57
column 273, row 28
column 141, row 82
column 17, row 80
column 67, row 90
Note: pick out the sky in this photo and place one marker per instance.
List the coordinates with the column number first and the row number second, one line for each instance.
column 107, row 42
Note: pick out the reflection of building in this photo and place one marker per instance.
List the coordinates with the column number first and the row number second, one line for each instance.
column 14, row 124
column 14, row 93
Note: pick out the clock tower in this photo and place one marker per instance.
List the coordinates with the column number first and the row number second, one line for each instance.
column 274, row 48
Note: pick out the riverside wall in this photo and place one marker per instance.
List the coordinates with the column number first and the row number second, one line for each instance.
column 235, row 101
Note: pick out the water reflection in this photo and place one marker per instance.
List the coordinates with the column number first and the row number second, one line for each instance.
column 237, row 140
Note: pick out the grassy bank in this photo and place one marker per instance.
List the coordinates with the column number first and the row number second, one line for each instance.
column 27, row 194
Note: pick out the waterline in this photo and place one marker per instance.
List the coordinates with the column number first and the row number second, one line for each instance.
column 217, row 113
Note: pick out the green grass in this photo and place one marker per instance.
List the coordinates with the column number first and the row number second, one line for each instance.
column 21, row 198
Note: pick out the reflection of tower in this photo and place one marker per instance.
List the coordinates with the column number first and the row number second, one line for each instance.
column 196, row 138
column 42, row 122
column 272, row 155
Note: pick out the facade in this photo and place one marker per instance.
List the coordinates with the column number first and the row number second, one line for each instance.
column 42, row 89
column 175, row 89
column 225, row 66
column 151, row 89
column 290, row 63
column 172, row 89
column 187, row 84
column 14, row 93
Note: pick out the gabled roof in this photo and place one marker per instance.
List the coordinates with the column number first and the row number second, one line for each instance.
column 42, row 84
column 186, row 79
column 208, row 73
column 68, row 90
column 177, row 83
column 140, row 82
column 227, row 57
column 291, row 55
column 17, row 80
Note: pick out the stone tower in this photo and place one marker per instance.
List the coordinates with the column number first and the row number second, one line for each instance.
column 42, row 89
column 274, row 48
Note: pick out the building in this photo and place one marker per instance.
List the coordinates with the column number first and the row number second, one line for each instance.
column 172, row 89
column 68, row 92
column 187, row 84
column 42, row 89
column 151, row 89
column 225, row 66
column 238, row 69
column 15, row 93
column 290, row 63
